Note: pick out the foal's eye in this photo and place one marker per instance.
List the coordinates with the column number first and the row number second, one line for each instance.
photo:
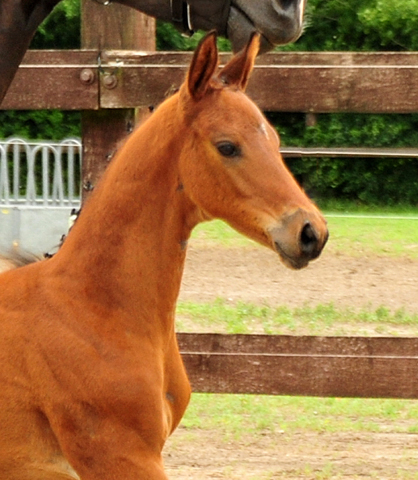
column 228, row 149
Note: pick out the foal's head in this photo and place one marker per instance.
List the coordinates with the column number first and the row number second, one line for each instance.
column 231, row 167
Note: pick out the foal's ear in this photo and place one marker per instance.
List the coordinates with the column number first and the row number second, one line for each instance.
column 238, row 70
column 203, row 66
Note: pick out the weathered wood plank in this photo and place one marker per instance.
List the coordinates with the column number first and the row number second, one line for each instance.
column 87, row 57
column 302, row 82
column 325, row 376
column 324, row 89
column 286, row 365
column 54, row 79
column 321, row 89
column 102, row 132
column 298, row 344
column 369, row 83
column 275, row 58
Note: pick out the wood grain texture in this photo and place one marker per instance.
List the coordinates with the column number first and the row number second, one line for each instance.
column 302, row 365
column 297, row 82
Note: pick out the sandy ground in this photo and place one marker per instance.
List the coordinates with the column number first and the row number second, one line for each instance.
column 309, row 456
column 257, row 275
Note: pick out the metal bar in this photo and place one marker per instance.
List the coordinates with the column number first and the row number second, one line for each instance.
column 45, row 175
column 4, row 176
column 25, row 156
column 31, row 182
column 292, row 152
column 70, row 173
column 16, row 171
column 58, row 181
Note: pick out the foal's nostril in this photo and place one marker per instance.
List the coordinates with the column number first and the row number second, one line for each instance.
column 308, row 239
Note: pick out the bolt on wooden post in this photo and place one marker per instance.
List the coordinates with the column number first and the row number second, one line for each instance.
column 108, row 27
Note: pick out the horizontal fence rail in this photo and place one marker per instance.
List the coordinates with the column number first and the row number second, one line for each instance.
column 40, row 173
column 54, row 79
column 287, row 82
column 370, row 367
column 333, row 152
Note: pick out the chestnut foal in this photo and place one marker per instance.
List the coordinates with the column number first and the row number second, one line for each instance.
column 92, row 382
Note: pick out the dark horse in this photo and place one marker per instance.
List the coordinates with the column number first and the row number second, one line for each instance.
column 278, row 21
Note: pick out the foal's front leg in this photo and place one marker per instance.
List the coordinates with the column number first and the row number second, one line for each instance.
column 113, row 452
column 117, row 435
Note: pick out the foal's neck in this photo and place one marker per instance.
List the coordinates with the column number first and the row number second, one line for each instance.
column 128, row 246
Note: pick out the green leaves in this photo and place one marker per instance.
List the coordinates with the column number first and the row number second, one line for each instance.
column 391, row 25
column 39, row 124
column 168, row 38
column 372, row 181
column 61, row 30
column 359, row 25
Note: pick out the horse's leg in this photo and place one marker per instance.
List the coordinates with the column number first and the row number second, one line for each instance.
column 127, row 463
column 122, row 438
column 19, row 20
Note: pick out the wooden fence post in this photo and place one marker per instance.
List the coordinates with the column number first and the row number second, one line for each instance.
column 109, row 27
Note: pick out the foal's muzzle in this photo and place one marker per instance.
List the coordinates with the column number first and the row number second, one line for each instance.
column 299, row 237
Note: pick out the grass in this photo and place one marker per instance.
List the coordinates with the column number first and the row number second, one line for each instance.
column 390, row 232
column 222, row 316
column 341, row 206
column 237, row 417
column 379, row 233
column 374, row 235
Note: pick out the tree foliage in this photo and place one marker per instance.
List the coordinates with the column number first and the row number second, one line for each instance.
column 168, row 38
column 39, row 124
column 359, row 25
column 332, row 25
column 61, row 30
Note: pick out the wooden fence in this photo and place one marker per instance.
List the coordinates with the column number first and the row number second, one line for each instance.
column 106, row 84
column 290, row 82
column 287, row 82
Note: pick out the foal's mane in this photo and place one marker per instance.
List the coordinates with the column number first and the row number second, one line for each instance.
column 17, row 258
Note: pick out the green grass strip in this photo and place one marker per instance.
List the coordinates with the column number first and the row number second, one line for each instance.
column 381, row 234
column 222, row 316
column 238, row 416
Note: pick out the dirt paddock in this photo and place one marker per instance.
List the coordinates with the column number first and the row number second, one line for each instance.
column 309, row 456
column 255, row 275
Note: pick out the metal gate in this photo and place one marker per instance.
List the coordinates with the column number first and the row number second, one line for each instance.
column 39, row 186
